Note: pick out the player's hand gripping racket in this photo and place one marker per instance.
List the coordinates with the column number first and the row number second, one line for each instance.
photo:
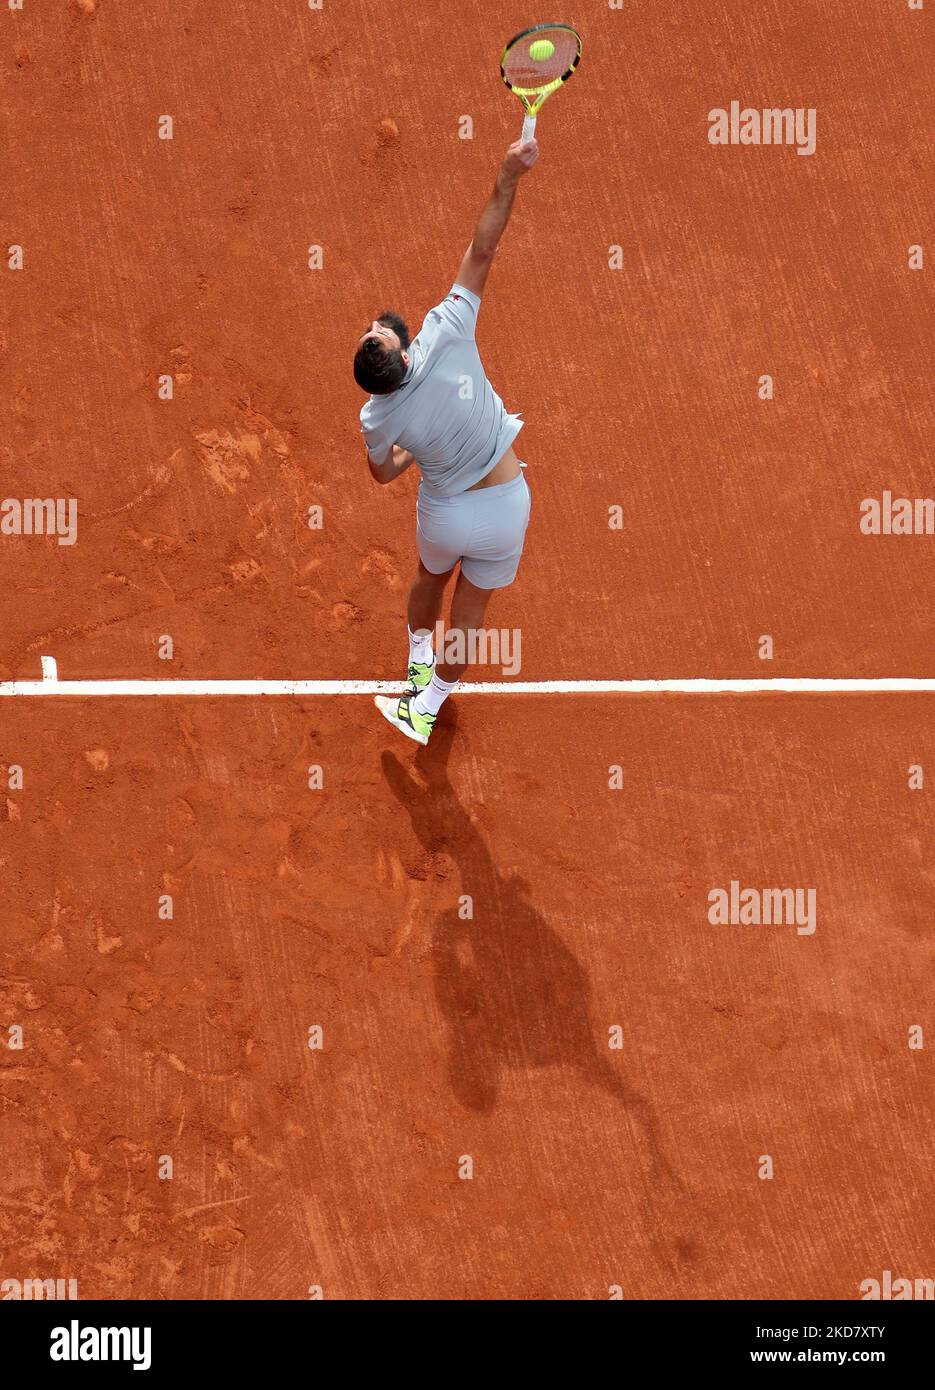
column 536, row 63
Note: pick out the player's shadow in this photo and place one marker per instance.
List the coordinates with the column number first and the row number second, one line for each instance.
column 512, row 993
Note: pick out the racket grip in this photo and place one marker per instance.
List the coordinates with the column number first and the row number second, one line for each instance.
column 529, row 128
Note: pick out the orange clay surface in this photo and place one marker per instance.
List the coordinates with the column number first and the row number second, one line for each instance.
column 447, row 1037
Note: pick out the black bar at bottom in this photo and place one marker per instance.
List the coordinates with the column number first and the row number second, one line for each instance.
column 249, row 1338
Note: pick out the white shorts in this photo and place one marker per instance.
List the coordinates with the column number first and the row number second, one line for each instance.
column 484, row 528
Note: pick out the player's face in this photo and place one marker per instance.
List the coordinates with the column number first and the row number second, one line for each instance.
column 387, row 336
column 391, row 331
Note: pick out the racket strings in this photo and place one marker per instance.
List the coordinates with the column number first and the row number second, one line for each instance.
column 525, row 73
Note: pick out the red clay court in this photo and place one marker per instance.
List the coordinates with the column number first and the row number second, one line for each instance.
column 449, row 1037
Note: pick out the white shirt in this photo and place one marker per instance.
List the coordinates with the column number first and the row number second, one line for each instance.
column 445, row 413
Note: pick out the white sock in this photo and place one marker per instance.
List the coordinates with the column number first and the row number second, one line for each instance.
column 420, row 646
column 431, row 699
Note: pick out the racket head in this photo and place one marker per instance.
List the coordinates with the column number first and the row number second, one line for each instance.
column 532, row 79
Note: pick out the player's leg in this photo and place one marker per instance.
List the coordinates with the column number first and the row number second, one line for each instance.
column 440, row 535
column 486, row 529
column 414, row 714
column 424, row 611
column 468, row 610
column 440, row 531
column 501, row 515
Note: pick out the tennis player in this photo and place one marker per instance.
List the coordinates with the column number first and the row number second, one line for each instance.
column 431, row 404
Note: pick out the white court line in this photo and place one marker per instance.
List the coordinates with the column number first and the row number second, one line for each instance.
column 51, row 685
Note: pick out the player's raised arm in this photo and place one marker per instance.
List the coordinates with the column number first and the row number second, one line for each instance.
column 478, row 258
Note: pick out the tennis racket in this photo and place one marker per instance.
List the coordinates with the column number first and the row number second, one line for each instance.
column 536, row 62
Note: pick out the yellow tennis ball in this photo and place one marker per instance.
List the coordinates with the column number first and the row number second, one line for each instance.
column 541, row 50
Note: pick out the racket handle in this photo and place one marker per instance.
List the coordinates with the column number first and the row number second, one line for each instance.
column 529, row 128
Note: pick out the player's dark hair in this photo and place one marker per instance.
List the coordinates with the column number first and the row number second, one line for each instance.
column 378, row 369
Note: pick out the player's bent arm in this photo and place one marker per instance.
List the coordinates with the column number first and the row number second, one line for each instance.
column 491, row 225
column 396, row 462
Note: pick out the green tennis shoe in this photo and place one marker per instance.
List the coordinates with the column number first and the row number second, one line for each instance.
column 403, row 715
column 419, row 674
